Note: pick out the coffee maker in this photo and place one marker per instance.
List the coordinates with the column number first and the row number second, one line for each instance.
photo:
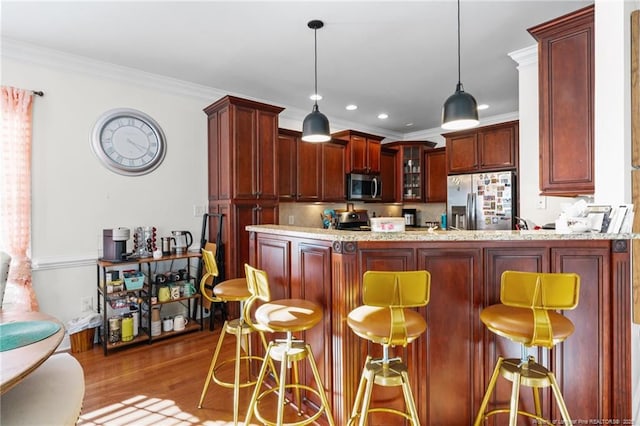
column 410, row 217
column 114, row 244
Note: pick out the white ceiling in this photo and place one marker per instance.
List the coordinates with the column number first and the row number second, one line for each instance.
column 397, row 57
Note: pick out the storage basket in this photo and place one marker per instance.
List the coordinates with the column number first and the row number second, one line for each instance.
column 134, row 281
column 83, row 340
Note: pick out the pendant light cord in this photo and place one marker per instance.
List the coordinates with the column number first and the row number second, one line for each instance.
column 459, row 77
column 315, row 65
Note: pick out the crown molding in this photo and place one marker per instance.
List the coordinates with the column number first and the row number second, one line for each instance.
column 525, row 56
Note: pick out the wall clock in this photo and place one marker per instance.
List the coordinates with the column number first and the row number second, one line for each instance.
column 128, row 142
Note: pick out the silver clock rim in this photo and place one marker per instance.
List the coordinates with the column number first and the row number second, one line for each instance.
column 96, row 144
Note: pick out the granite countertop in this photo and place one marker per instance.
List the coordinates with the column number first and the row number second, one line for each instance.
column 425, row 235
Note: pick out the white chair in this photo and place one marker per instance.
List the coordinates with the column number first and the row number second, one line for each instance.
column 51, row 395
column 5, row 261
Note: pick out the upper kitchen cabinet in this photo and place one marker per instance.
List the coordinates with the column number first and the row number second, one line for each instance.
column 411, row 168
column 310, row 171
column 488, row 148
column 242, row 139
column 389, row 174
column 566, row 88
column 333, row 171
column 363, row 151
column 287, row 150
column 435, row 175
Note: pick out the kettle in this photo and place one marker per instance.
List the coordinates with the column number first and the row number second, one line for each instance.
column 182, row 241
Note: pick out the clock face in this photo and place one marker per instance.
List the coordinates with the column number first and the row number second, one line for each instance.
column 128, row 142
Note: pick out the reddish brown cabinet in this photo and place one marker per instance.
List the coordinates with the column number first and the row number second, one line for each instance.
column 310, row 171
column 333, row 171
column 411, row 169
column 389, row 174
column 435, row 175
column 287, row 149
column 363, row 151
column 243, row 172
column 488, row 148
column 566, row 100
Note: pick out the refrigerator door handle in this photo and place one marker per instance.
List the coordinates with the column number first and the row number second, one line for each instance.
column 471, row 211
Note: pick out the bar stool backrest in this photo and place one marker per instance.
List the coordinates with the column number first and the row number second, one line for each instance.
column 210, row 270
column 258, row 284
column 540, row 292
column 397, row 291
column 408, row 289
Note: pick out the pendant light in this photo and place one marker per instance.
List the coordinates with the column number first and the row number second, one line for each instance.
column 315, row 127
column 460, row 111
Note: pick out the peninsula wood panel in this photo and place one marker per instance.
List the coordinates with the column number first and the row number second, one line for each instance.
column 451, row 364
column 447, row 372
column 590, row 344
column 310, row 273
column 532, row 258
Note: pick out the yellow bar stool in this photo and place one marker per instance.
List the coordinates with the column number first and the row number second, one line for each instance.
column 526, row 315
column 288, row 316
column 233, row 290
column 386, row 320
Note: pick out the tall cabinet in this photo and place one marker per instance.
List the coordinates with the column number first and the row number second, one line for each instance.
column 243, row 172
column 566, row 86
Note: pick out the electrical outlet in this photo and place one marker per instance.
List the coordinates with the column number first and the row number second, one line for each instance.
column 291, row 219
column 542, row 202
column 86, row 304
column 198, row 210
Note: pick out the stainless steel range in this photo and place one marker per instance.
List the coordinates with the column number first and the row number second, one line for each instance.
column 352, row 220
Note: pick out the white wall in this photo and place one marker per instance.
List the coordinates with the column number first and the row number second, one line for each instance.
column 75, row 197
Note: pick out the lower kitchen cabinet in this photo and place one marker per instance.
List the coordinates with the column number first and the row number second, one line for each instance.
column 141, row 296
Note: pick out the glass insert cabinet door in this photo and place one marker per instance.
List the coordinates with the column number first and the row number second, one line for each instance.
column 411, row 173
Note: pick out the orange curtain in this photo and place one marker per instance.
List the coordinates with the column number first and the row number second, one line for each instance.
column 15, row 196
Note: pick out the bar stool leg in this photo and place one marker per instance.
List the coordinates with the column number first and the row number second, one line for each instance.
column 282, row 390
column 213, row 365
column 487, row 395
column 321, row 391
column 560, row 400
column 515, row 394
column 256, row 390
column 408, row 398
column 536, row 401
column 368, row 391
column 357, row 403
column 236, row 378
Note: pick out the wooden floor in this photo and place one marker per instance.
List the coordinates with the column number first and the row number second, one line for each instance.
column 160, row 384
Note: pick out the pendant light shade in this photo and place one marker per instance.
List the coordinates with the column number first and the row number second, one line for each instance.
column 460, row 111
column 315, row 127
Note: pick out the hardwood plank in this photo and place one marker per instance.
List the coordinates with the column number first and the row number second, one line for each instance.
column 160, row 384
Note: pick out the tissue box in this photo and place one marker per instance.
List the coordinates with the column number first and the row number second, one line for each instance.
column 387, row 224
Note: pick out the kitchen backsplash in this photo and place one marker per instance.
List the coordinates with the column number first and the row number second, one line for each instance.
column 310, row 214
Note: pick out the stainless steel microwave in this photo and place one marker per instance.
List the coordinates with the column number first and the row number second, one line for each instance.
column 362, row 187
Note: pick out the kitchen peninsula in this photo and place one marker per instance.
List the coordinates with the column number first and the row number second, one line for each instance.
column 453, row 361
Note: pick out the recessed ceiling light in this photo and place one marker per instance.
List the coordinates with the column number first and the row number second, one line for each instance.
column 351, row 107
column 409, row 124
column 383, row 116
column 482, row 106
column 315, row 97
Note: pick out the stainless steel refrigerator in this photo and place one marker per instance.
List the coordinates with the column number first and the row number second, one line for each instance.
column 483, row 201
